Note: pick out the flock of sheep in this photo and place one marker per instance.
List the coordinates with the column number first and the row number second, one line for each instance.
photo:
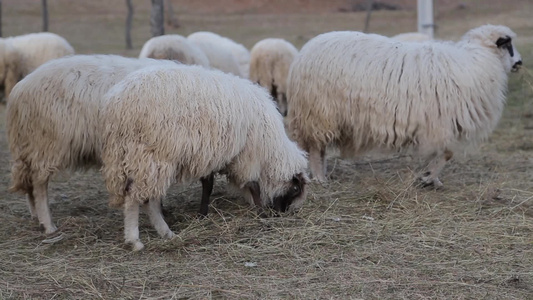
column 192, row 107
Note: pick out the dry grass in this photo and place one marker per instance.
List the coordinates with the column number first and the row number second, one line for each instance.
column 370, row 233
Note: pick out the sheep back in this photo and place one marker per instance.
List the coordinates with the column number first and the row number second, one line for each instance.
column 241, row 54
column 38, row 48
column 24, row 53
column 220, row 56
column 412, row 37
column 270, row 60
column 174, row 47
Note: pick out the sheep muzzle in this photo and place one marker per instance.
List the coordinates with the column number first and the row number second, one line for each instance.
column 517, row 65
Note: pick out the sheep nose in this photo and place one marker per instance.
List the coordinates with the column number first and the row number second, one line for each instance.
column 516, row 66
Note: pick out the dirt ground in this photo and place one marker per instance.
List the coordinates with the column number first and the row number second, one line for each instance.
column 369, row 233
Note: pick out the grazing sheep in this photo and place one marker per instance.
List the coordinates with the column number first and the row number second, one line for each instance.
column 174, row 47
column 189, row 124
column 20, row 55
column 53, row 121
column 270, row 61
column 412, row 37
column 362, row 91
column 223, row 53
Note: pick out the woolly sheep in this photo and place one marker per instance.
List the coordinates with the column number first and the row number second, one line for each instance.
column 223, row 53
column 174, row 47
column 212, row 122
column 53, row 121
column 20, row 55
column 363, row 91
column 270, row 60
column 412, row 37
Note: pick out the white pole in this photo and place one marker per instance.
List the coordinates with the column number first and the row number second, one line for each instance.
column 425, row 17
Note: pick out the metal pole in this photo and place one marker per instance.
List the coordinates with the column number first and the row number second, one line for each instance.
column 425, row 17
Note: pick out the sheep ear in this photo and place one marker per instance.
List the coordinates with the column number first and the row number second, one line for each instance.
column 299, row 179
column 502, row 41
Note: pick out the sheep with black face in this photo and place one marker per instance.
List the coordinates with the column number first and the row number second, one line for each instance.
column 191, row 123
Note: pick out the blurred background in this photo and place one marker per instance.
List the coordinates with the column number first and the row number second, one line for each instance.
column 98, row 26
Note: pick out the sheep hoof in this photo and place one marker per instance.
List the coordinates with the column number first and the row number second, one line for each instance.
column 55, row 239
column 201, row 215
column 261, row 213
column 169, row 235
column 51, row 229
column 320, row 180
column 136, row 245
column 427, row 181
column 437, row 183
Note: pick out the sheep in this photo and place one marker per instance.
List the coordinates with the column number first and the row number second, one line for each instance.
column 174, row 47
column 270, row 60
column 189, row 124
column 20, row 55
column 53, row 121
column 363, row 91
column 412, row 37
column 223, row 53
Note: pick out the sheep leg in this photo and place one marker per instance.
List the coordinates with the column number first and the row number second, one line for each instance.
column 254, row 193
column 283, row 104
column 10, row 81
column 207, row 189
column 317, row 163
column 40, row 194
column 31, row 203
column 431, row 177
column 131, row 224
column 153, row 208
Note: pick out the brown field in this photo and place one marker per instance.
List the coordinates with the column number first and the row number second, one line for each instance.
column 369, row 233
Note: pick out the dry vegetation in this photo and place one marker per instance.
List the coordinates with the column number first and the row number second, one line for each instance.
column 369, row 233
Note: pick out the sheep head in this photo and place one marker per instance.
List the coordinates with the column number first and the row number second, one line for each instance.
column 293, row 195
column 506, row 43
column 499, row 38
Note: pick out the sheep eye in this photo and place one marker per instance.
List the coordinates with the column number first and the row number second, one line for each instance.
column 295, row 189
column 503, row 41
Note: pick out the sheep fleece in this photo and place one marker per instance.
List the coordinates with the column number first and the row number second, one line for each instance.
column 360, row 91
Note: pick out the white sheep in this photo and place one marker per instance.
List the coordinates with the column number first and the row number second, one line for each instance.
column 20, row 55
column 363, row 91
column 174, row 47
column 190, row 123
column 270, row 60
column 412, row 37
column 53, row 121
column 223, row 53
